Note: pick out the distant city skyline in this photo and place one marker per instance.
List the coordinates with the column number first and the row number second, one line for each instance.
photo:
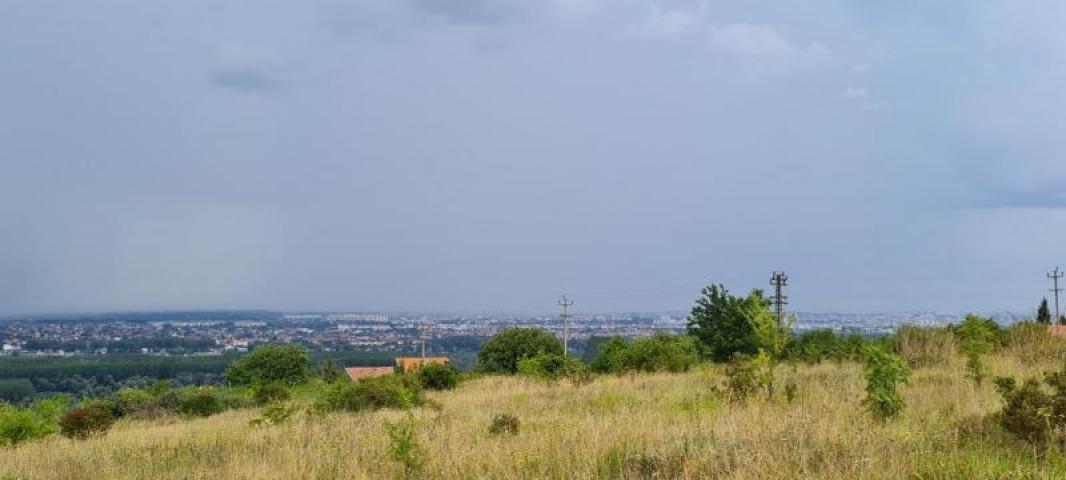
column 477, row 156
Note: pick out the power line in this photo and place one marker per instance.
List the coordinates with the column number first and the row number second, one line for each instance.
column 779, row 281
column 1055, row 275
column 566, row 304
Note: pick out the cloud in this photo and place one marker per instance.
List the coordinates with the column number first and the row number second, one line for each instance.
column 670, row 23
column 247, row 70
column 763, row 46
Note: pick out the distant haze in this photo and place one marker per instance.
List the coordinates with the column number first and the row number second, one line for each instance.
column 476, row 155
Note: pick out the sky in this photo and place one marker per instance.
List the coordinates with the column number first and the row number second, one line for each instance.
column 491, row 155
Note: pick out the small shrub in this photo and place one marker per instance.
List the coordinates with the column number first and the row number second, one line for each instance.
column 437, row 377
column 130, row 401
column 369, row 394
column 273, row 414
column 84, row 422
column 271, row 392
column 884, row 373
column 1027, row 410
column 975, row 368
column 504, row 423
column 747, row 374
column 551, row 366
column 203, row 404
column 404, row 448
column 791, row 391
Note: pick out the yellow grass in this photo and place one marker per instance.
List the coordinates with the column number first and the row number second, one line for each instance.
column 641, row 426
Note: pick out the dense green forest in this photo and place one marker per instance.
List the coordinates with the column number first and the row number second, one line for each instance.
column 24, row 378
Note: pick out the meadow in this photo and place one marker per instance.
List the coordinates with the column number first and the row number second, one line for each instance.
column 640, row 425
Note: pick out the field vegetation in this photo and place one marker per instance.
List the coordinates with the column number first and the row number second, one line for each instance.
column 765, row 405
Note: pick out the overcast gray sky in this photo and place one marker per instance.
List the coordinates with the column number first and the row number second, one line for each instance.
column 489, row 155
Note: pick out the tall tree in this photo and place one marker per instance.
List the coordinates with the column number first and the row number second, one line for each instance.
column 726, row 324
column 1043, row 313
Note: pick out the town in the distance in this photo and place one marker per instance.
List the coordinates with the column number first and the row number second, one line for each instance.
column 217, row 332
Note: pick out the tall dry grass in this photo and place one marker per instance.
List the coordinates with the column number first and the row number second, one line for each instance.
column 639, row 426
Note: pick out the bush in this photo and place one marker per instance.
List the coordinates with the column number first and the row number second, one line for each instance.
column 271, row 363
column 502, row 352
column 1030, row 412
column 403, row 448
column 38, row 420
column 273, row 414
column 884, row 372
column 747, row 374
column 437, row 377
column 369, row 394
column 658, row 353
column 271, row 392
column 816, row 346
column 551, row 366
column 84, row 422
column 130, row 401
column 202, row 404
column 504, row 423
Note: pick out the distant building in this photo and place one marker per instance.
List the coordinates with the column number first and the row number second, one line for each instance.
column 1057, row 330
column 405, row 364
column 359, row 373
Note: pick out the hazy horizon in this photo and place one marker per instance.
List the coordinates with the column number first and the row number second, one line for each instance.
column 394, row 155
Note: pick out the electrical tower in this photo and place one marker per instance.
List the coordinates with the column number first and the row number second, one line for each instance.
column 423, row 328
column 779, row 281
column 1055, row 275
column 566, row 304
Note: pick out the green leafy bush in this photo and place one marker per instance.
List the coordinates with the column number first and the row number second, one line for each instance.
column 38, row 420
column 504, row 423
column 884, row 373
column 369, row 394
column 271, row 392
column 271, row 363
column 404, row 448
column 816, row 346
column 659, row 353
column 502, row 352
column 88, row 421
column 437, row 377
column 747, row 374
column 201, row 404
column 131, row 401
column 551, row 366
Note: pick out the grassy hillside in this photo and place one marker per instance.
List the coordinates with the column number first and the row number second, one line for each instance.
column 640, row 426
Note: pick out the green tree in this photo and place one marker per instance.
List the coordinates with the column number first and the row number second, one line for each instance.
column 725, row 324
column 1043, row 313
column 502, row 352
column 330, row 371
column 270, row 363
column 884, row 372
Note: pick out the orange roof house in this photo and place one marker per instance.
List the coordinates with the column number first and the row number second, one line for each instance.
column 1057, row 330
column 407, row 363
column 359, row 373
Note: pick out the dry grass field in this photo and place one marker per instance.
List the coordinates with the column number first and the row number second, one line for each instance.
column 639, row 426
